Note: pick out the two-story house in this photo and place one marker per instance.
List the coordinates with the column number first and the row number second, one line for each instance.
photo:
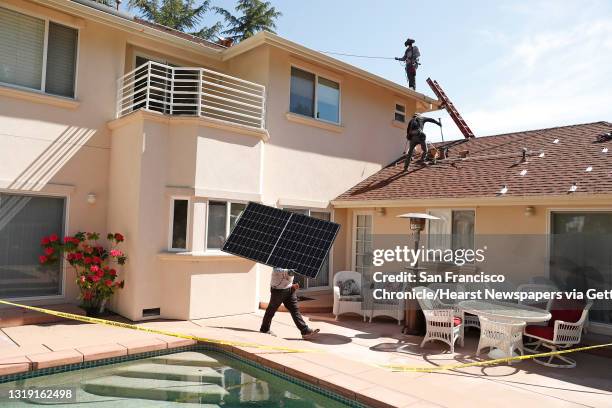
column 111, row 123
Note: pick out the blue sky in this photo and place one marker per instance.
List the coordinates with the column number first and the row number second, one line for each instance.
column 507, row 65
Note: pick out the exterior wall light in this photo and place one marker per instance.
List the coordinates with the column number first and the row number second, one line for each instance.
column 382, row 211
column 91, row 198
column 529, row 211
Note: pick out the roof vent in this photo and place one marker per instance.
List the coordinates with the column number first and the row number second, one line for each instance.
column 572, row 188
column 503, row 190
column 523, row 172
column 604, row 150
column 590, row 168
column 541, row 155
column 556, row 141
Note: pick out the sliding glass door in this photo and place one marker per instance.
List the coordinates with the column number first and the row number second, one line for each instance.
column 24, row 220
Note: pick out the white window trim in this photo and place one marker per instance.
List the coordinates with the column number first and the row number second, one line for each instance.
column 354, row 235
column 64, row 265
column 43, row 81
column 316, row 94
column 171, row 225
column 217, row 251
column 451, row 210
column 404, row 113
column 331, row 251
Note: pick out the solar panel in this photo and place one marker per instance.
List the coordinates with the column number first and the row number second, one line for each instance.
column 281, row 239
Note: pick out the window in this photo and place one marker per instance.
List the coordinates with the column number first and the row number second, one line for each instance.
column 400, row 112
column 321, row 101
column 24, row 222
column 24, row 60
column 222, row 217
column 322, row 279
column 180, row 218
column 453, row 230
column 362, row 243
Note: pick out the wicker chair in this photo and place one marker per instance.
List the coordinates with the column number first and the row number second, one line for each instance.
column 537, row 288
column 564, row 330
column 441, row 321
column 506, row 336
column 350, row 303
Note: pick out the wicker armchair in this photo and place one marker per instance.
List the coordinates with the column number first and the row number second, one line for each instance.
column 348, row 303
column 441, row 321
column 506, row 336
column 563, row 331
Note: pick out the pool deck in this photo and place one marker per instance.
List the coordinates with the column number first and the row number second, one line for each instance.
column 347, row 358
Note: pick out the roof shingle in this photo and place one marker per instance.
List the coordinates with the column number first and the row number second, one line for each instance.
column 494, row 161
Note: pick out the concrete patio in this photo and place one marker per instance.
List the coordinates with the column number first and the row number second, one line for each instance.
column 348, row 358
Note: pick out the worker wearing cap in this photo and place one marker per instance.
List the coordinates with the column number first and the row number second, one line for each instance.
column 416, row 136
column 411, row 57
column 283, row 291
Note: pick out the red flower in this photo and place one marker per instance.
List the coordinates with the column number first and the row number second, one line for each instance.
column 100, row 273
column 53, row 237
column 45, row 241
column 94, row 268
column 116, row 253
column 94, row 278
column 49, row 251
column 108, row 283
column 112, row 272
column 119, row 237
column 120, row 284
column 43, row 259
column 78, row 256
column 96, row 260
column 87, row 260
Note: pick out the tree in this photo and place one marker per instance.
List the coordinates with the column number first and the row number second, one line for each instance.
column 256, row 15
column 109, row 3
column 182, row 15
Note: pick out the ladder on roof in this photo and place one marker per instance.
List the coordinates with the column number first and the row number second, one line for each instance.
column 450, row 108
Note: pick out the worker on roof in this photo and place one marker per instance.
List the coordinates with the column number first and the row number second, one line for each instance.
column 411, row 58
column 416, row 136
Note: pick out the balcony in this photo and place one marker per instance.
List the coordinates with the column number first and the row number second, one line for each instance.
column 184, row 91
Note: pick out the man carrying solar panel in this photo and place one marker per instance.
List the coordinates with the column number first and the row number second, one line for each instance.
column 283, row 291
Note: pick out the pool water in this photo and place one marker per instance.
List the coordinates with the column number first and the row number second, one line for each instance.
column 185, row 379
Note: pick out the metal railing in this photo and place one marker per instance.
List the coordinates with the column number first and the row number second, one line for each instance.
column 191, row 92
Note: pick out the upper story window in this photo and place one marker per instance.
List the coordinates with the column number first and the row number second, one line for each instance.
column 37, row 54
column 314, row 96
column 222, row 216
column 400, row 112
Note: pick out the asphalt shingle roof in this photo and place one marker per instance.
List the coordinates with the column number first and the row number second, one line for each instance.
column 494, row 161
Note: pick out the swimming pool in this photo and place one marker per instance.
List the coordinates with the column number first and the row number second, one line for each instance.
column 193, row 377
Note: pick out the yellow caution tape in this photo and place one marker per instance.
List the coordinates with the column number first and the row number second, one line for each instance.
column 87, row 319
column 399, row 367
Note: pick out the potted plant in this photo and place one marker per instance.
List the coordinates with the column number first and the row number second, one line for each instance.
column 95, row 276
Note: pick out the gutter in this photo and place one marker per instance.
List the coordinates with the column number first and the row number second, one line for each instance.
column 125, row 22
column 572, row 199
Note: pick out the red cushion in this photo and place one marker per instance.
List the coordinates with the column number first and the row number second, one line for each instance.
column 456, row 321
column 566, row 310
column 545, row 332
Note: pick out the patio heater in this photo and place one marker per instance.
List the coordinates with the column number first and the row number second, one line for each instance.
column 414, row 322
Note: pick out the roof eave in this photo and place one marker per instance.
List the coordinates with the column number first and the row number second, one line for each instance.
column 565, row 199
column 130, row 26
column 265, row 37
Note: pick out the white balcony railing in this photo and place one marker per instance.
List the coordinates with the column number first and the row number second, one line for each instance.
column 191, row 92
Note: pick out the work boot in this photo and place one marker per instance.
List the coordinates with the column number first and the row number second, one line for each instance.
column 310, row 334
column 270, row 332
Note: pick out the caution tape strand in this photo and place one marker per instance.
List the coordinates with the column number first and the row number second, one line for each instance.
column 87, row 319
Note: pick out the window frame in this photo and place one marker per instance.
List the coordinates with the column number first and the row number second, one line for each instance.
column 450, row 210
column 354, row 234
column 43, row 81
column 228, row 209
column 171, row 224
column 330, row 254
column 397, row 112
column 63, row 264
column 316, row 94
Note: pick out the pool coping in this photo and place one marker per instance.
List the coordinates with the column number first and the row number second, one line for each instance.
column 230, row 351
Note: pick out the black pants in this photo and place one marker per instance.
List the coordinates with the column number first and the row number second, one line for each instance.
column 416, row 140
column 289, row 299
column 411, row 74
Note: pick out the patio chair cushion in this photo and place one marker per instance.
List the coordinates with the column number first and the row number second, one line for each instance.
column 544, row 332
column 351, row 298
column 566, row 310
column 349, row 288
column 457, row 321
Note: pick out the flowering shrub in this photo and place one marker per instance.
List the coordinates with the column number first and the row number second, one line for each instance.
column 96, row 279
